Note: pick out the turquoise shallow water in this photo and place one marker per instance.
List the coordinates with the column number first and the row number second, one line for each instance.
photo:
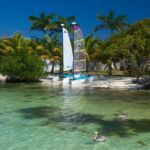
column 40, row 117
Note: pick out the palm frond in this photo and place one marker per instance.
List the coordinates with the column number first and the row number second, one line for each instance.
column 100, row 27
column 33, row 18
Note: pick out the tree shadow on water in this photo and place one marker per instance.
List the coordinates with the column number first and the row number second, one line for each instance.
column 37, row 112
column 72, row 121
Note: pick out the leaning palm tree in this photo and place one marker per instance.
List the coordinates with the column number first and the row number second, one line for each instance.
column 43, row 22
column 111, row 22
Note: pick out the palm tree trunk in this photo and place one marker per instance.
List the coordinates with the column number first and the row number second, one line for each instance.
column 61, row 69
column 87, row 66
column 93, row 66
column 52, row 71
column 109, row 69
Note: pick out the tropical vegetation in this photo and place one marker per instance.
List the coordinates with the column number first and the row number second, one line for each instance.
column 24, row 59
column 19, row 61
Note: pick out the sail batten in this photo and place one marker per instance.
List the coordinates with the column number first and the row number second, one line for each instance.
column 80, row 50
column 80, row 60
column 79, row 40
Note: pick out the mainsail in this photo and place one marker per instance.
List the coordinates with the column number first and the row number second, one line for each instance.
column 79, row 50
column 67, row 52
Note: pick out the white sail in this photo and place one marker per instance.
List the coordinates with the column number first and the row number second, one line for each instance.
column 67, row 52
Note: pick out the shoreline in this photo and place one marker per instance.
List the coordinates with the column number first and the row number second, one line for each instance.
column 2, row 78
column 112, row 82
column 117, row 83
column 125, row 83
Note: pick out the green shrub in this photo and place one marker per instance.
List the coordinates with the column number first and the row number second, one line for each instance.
column 22, row 66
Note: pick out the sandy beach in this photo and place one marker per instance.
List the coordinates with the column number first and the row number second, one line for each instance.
column 116, row 83
column 2, row 78
column 104, row 83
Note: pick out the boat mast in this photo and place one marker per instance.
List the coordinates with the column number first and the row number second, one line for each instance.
column 62, row 72
column 73, row 24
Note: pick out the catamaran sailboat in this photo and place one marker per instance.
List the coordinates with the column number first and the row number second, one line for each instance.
column 74, row 60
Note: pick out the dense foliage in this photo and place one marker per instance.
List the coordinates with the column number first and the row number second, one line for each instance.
column 20, row 62
column 23, row 59
column 131, row 47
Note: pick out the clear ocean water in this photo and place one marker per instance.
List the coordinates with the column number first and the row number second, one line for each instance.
column 41, row 117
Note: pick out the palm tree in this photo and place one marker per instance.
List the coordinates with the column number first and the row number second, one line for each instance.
column 111, row 22
column 41, row 51
column 61, row 20
column 50, row 23
column 17, row 42
column 53, row 46
column 93, row 48
column 9, row 45
column 43, row 22
column 4, row 47
column 24, row 57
